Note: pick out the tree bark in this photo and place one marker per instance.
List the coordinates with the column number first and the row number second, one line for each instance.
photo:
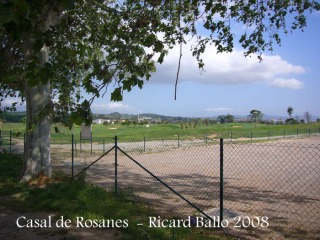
column 37, row 149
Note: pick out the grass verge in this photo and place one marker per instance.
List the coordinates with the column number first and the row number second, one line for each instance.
column 72, row 199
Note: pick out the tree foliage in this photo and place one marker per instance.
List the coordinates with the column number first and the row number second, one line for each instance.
column 97, row 47
column 229, row 118
column 112, row 46
column 290, row 111
column 255, row 116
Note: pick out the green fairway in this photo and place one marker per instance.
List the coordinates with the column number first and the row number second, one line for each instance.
column 106, row 133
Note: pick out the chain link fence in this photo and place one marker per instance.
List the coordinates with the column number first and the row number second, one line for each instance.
column 271, row 189
column 277, row 180
column 12, row 141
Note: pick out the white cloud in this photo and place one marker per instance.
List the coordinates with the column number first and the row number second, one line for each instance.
column 225, row 68
column 287, row 83
column 218, row 109
column 10, row 100
column 112, row 106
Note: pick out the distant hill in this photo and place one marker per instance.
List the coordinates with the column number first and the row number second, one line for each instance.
column 117, row 116
column 16, row 117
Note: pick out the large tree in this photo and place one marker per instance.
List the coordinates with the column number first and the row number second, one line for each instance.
column 290, row 120
column 53, row 50
column 255, row 116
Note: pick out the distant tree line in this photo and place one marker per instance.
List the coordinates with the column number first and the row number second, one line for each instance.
column 307, row 117
column 13, row 117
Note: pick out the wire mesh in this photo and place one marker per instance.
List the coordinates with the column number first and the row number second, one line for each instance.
column 271, row 189
column 277, row 180
column 12, row 141
column 194, row 179
column 265, row 182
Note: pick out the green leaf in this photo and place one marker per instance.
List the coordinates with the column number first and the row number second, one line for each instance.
column 161, row 57
column 82, row 114
column 121, row 76
column 149, row 41
column 116, row 95
column 22, row 5
column 5, row 16
column 67, row 4
column 158, row 47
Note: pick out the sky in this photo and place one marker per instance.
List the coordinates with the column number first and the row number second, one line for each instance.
column 231, row 83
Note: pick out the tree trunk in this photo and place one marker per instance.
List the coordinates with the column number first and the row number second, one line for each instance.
column 37, row 149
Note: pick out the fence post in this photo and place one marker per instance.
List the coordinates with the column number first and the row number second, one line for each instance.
column 221, row 180
column 251, row 135
column 144, row 144
column 72, row 155
column 284, row 133
column 116, row 165
column 103, row 147
column 179, row 139
column 91, row 143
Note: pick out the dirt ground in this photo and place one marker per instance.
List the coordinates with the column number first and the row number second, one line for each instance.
column 278, row 180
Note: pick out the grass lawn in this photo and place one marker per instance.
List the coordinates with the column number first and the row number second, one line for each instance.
column 102, row 133
column 72, row 199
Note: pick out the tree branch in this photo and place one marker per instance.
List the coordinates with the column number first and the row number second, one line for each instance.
column 177, row 78
column 179, row 63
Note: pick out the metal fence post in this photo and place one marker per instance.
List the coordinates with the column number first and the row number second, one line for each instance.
column 116, row 165
column 91, row 143
column 178, row 141
column 144, row 144
column 221, row 180
column 80, row 142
